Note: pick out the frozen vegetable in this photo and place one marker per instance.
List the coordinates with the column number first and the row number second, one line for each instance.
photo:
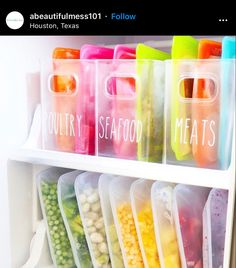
column 116, row 251
column 188, row 219
column 59, row 240
column 167, row 233
column 129, row 236
column 92, row 214
column 72, row 214
column 146, row 227
column 111, row 232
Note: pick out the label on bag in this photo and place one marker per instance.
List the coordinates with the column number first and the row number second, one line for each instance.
column 64, row 124
column 207, row 137
column 129, row 130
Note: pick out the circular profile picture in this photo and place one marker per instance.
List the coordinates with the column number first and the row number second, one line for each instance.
column 14, row 20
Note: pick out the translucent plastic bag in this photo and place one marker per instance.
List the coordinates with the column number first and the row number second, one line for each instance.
column 112, row 237
column 124, row 221
column 189, row 202
column 85, row 144
column 162, row 199
column 72, row 220
column 150, row 109
column 140, row 193
column 59, row 95
column 59, row 242
column 214, row 228
column 86, row 188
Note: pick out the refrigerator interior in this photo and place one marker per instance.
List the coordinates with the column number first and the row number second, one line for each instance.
column 21, row 227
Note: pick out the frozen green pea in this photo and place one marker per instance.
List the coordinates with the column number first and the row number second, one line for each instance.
column 58, row 235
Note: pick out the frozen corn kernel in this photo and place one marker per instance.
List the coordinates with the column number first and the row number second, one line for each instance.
column 129, row 236
column 172, row 261
column 146, row 227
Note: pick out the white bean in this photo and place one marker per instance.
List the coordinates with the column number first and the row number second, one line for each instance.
column 86, row 207
column 99, row 224
column 96, row 207
column 93, row 198
column 96, row 238
column 92, row 215
column 97, row 253
column 103, row 248
column 91, row 230
column 89, row 222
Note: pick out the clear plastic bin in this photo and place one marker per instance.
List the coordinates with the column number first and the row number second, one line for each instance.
column 140, row 193
column 189, row 202
column 86, row 188
column 112, row 237
column 162, row 199
column 59, row 243
column 214, row 228
column 68, row 101
column 130, row 109
column 122, row 212
column 72, row 219
column 193, row 109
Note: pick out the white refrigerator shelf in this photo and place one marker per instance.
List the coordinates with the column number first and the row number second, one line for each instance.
column 171, row 173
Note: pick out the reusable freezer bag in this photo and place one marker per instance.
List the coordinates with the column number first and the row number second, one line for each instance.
column 205, row 116
column 93, row 52
column 62, row 85
column 214, row 228
column 86, row 188
column 59, row 243
column 112, row 237
column 208, row 49
column 183, row 47
column 120, row 130
column 189, row 202
column 63, row 124
column 119, row 192
column 162, row 200
column 72, row 219
column 124, row 52
column 194, row 129
column 123, row 87
column 140, row 193
column 227, row 100
column 150, row 102
column 85, row 143
column 203, row 89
